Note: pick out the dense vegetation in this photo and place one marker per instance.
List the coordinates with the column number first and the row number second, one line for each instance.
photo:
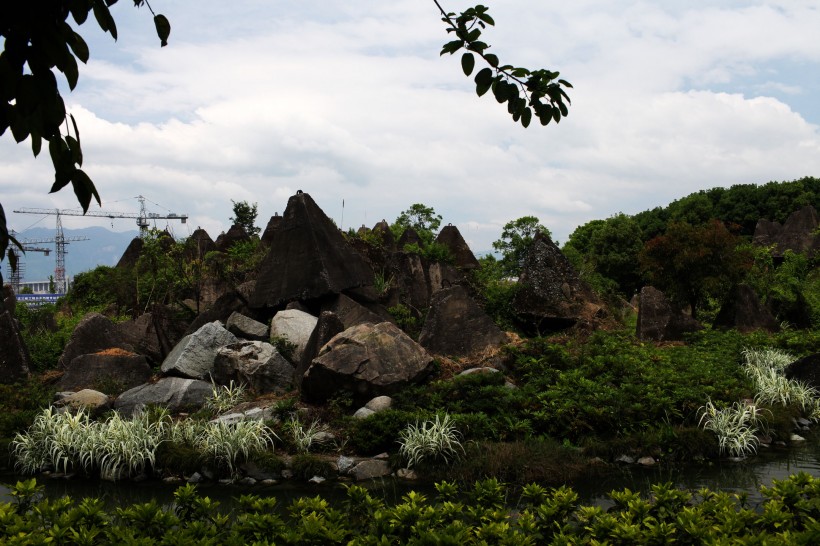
column 484, row 514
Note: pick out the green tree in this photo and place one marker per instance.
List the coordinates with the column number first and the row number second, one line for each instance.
column 691, row 263
column 244, row 214
column 39, row 38
column 516, row 239
column 421, row 218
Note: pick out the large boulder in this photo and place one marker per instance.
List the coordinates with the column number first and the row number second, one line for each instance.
column 451, row 237
column 551, row 296
column 93, row 333
column 659, row 321
column 308, row 258
column 14, row 356
column 154, row 334
column 806, row 369
column 177, row 394
column 351, row 312
column 457, row 326
column 366, row 360
column 256, row 364
column 194, row 355
column 294, row 326
column 112, row 371
column 246, row 328
column 744, row 311
column 328, row 326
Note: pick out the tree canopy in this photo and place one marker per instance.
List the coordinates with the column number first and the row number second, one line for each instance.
column 516, row 239
column 40, row 37
column 244, row 214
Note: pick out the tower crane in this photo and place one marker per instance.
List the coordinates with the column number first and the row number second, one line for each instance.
column 143, row 222
column 16, row 274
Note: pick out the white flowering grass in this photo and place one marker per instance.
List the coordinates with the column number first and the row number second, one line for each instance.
column 437, row 439
column 735, row 427
column 229, row 443
column 305, row 436
column 766, row 368
column 225, row 397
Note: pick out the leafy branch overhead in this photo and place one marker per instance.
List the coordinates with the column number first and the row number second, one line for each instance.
column 526, row 92
column 38, row 38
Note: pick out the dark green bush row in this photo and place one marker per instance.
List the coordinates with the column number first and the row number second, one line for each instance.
column 789, row 515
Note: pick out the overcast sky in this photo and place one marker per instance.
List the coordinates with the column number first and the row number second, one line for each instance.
column 350, row 101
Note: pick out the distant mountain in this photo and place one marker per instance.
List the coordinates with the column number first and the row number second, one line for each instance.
column 103, row 247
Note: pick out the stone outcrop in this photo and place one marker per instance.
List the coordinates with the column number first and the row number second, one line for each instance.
column 807, row 370
column 551, row 296
column 295, row 327
column 14, row 356
column 308, row 258
column 246, row 328
column 351, row 312
column 236, row 234
column 234, row 301
column 744, row 311
column 409, row 237
column 194, row 355
column 457, row 326
column 798, row 233
column 659, row 321
column 198, row 245
column 451, row 237
column 112, row 371
column 382, row 232
column 175, row 393
column 270, row 229
column 253, row 363
column 94, row 333
column 366, row 360
column 131, row 255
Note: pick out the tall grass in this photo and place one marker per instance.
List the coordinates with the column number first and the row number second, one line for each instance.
column 766, row 369
column 437, row 439
column 736, row 427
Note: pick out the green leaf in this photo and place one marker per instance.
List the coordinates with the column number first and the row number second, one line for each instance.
column 76, row 151
column 526, row 117
column 565, row 83
column 71, row 71
column 467, row 63
column 78, row 46
column 564, row 109
column 492, row 59
column 483, row 81
column 478, row 47
column 83, row 188
column 451, row 47
column 163, row 29
column 486, row 18
column 104, row 18
column 36, row 143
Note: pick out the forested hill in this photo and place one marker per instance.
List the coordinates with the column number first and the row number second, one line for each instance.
column 742, row 204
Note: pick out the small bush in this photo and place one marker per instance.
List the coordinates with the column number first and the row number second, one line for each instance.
column 378, row 433
column 436, row 440
column 305, row 466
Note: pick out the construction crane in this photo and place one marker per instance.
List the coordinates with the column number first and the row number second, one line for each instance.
column 143, row 217
column 143, row 221
column 16, row 274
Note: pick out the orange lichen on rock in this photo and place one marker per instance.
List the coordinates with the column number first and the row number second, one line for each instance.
column 115, row 351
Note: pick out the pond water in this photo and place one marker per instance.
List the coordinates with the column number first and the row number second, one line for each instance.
column 738, row 477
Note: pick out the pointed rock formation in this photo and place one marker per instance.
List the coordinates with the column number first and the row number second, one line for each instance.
column 409, row 237
column 270, row 229
column 234, row 235
column 451, row 237
column 198, row 245
column 94, row 333
column 745, row 312
column 797, row 234
column 457, row 326
column 551, row 296
column 659, row 321
column 385, row 235
column 308, row 258
column 131, row 255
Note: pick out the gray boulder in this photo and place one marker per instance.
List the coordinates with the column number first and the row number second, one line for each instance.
column 194, row 355
column 369, row 469
column 254, row 363
column 246, row 328
column 308, row 258
column 14, row 356
column 457, row 326
column 295, row 327
column 153, row 334
column 93, row 334
column 366, row 360
column 659, row 321
column 351, row 312
column 175, row 393
column 111, row 373
column 95, row 402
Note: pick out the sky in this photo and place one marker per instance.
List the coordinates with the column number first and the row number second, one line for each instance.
column 350, row 102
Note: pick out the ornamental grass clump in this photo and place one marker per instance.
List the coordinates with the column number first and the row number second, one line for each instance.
column 306, row 436
column 225, row 397
column 766, row 369
column 52, row 440
column 437, row 439
column 225, row 442
column 736, row 427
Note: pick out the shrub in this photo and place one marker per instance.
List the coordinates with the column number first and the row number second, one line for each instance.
column 378, row 432
column 305, row 466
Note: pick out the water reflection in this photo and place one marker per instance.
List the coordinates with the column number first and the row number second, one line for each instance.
column 735, row 477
